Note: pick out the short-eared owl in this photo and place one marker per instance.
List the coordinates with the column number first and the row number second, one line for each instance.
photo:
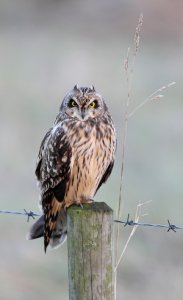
column 76, row 156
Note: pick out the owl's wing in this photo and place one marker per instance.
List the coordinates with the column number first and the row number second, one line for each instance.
column 41, row 153
column 53, row 171
column 106, row 174
column 53, row 165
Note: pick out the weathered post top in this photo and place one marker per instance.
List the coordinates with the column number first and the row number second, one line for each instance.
column 90, row 252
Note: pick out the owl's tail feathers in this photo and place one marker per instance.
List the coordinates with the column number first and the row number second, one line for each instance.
column 58, row 232
column 37, row 229
column 51, row 213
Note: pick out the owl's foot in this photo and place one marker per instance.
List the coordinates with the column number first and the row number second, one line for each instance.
column 82, row 201
column 90, row 200
column 86, row 200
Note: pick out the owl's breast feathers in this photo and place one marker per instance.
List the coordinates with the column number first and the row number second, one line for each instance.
column 75, row 158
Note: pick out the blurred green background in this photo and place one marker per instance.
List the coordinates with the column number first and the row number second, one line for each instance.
column 47, row 46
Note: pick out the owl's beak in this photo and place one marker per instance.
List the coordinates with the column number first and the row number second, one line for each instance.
column 83, row 112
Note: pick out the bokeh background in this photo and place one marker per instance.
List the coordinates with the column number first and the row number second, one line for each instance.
column 47, row 46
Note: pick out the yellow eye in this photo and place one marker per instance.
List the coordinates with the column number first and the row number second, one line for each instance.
column 94, row 104
column 72, row 103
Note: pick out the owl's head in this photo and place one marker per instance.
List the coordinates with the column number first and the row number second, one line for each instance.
column 83, row 103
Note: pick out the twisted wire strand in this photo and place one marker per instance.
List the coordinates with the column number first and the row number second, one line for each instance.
column 169, row 226
column 128, row 222
column 29, row 214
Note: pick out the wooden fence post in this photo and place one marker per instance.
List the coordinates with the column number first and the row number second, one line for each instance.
column 90, row 263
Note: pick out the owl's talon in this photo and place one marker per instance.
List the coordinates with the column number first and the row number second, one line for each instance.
column 79, row 204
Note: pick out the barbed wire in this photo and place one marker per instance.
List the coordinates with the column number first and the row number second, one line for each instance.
column 169, row 226
column 29, row 214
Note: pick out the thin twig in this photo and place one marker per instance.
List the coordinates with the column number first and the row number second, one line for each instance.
column 129, row 70
column 154, row 96
column 129, row 76
column 137, row 216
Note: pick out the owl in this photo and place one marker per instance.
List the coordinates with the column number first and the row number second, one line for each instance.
column 75, row 158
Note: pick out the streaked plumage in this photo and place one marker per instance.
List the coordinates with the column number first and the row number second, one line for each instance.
column 76, row 156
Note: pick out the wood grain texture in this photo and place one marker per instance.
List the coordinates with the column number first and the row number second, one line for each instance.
column 90, row 252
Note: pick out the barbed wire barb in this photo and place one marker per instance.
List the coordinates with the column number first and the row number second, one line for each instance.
column 171, row 227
